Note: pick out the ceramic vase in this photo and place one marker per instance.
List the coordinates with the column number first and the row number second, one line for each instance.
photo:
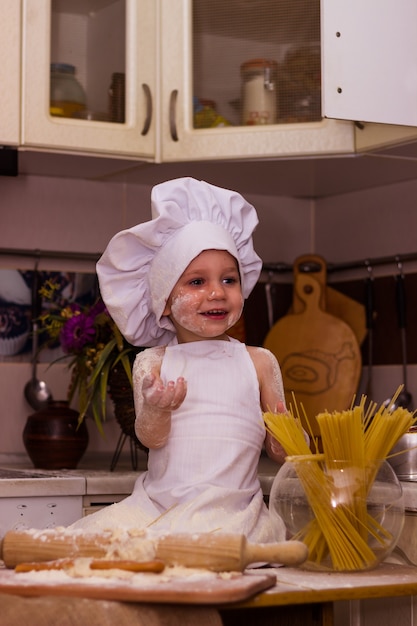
column 53, row 439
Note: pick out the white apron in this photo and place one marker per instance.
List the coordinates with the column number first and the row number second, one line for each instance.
column 205, row 477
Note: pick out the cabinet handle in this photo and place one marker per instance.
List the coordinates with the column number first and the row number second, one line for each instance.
column 172, row 110
column 148, row 118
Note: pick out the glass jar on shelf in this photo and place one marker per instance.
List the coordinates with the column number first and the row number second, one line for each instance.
column 67, row 96
column 259, row 92
column 206, row 115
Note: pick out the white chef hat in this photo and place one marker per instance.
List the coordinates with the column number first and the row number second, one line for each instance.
column 141, row 265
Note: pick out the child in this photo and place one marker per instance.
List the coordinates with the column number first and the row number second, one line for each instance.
column 177, row 284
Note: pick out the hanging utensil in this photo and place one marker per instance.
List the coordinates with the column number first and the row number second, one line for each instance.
column 269, row 301
column 369, row 310
column 404, row 398
column 36, row 391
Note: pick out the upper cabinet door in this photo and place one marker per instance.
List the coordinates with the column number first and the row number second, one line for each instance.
column 241, row 79
column 369, row 60
column 10, row 37
column 89, row 69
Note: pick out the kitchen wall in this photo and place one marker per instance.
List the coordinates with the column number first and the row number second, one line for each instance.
column 373, row 223
column 48, row 213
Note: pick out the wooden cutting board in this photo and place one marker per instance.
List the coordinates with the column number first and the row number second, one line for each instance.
column 318, row 353
column 331, row 300
column 195, row 589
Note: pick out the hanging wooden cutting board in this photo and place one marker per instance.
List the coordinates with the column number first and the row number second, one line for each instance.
column 318, row 353
column 331, row 300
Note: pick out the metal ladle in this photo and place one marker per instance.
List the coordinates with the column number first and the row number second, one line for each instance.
column 36, row 391
column 404, row 399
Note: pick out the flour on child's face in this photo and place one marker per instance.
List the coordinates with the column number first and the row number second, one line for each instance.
column 207, row 299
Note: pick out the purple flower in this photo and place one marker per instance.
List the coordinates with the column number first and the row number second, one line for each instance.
column 77, row 332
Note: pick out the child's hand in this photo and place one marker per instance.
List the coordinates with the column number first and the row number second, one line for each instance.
column 164, row 397
column 280, row 407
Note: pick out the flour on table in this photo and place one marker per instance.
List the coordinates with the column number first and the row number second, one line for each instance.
column 80, row 569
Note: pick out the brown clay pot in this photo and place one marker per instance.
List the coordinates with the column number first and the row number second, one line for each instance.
column 53, row 439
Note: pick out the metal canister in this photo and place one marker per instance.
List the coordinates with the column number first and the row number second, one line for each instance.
column 259, row 92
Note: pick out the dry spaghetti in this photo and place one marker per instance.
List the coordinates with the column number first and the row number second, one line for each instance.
column 359, row 439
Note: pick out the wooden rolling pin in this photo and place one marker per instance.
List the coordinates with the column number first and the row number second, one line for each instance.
column 212, row 551
column 149, row 567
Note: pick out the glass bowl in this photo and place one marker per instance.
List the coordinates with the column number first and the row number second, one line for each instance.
column 349, row 516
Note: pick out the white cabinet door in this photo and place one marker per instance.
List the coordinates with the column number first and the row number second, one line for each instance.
column 85, row 34
column 10, row 37
column 182, row 45
column 369, row 60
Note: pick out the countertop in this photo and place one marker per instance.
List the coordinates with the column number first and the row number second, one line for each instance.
column 18, row 478
column 92, row 477
column 299, row 586
column 281, row 586
column 294, row 587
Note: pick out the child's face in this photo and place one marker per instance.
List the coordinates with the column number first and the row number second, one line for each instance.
column 207, row 299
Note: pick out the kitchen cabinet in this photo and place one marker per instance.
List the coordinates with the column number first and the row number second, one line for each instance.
column 39, row 499
column 182, row 59
column 100, row 38
column 369, row 70
column 369, row 64
column 197, row 50
column 203, row 46
column 10, row 37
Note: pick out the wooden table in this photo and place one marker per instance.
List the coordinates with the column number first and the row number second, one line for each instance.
column 299, row 597
column 303, row 598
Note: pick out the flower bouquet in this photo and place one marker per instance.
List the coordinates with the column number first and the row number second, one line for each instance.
column 92, row 341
